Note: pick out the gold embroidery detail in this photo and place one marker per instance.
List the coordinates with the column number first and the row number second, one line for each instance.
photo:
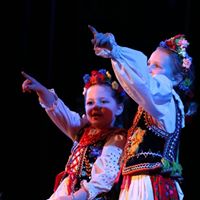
column 136, row 139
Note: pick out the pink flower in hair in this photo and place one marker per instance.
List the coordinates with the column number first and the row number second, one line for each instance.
column 178, row 44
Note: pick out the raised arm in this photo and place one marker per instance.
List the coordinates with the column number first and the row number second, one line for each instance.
column 154, row 94
column 69, row 122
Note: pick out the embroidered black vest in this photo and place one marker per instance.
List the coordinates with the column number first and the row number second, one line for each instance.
column 150, row 149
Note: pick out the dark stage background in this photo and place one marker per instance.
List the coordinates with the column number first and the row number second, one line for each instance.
column 51, row 41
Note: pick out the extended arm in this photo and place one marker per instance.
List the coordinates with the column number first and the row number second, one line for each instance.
column 69, row 122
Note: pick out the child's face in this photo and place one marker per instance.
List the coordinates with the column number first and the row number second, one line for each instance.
column 100, row 106
column 160, row 63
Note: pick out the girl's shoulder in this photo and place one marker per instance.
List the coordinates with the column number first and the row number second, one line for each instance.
column 118, row 137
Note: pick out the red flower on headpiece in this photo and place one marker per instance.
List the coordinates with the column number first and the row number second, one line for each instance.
column 100, row 77
column 178, row 44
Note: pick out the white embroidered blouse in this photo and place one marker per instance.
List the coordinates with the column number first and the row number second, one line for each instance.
column 105, row 170
column 155, row 94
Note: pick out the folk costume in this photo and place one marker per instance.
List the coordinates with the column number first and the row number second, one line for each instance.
column 94, row 162
column 151, row 169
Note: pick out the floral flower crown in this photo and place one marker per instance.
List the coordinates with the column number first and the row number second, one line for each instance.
column 178, row 44
column 101, row 77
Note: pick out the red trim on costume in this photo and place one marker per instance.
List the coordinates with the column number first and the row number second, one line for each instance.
column 126, row 182
column 164, row 188
column 58, row 179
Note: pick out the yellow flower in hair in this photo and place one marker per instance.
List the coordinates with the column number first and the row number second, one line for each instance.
column 101, row 77
column 108, row 75
column 115, row 85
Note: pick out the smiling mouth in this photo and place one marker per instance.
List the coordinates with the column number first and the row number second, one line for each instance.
column 96, row 115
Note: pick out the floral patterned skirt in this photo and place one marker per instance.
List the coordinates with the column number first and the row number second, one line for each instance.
column 145, row 187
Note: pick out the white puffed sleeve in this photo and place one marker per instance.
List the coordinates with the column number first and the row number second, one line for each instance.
column 104, row 172
column 154, row 94
column 107, row 167
column 69, row 122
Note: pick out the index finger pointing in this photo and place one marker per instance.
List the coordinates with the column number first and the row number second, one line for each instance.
column 25, row 75
column 92, row 29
